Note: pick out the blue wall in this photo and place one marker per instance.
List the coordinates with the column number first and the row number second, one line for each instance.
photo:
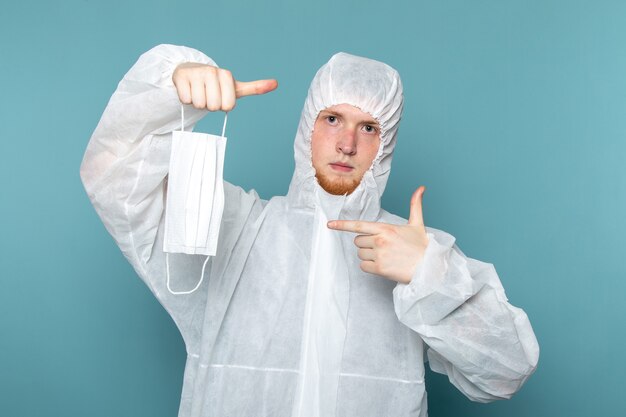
column 515, row 120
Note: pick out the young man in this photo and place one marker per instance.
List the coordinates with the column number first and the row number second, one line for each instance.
column 298, row 316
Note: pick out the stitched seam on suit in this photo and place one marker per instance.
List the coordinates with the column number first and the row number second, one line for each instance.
column 250, row 368
column 382, row 378
column 295, row 371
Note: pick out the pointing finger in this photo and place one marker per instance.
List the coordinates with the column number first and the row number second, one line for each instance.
column 356, row 226
column 250, row 88
column 416, row 216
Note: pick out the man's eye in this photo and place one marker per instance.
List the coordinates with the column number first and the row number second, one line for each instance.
column 369, row 129
column 331, row 119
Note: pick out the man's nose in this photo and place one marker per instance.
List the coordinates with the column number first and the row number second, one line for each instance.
column 347, row 142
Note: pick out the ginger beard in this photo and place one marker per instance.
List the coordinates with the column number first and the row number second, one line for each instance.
column 344, row 143
column 337, row 186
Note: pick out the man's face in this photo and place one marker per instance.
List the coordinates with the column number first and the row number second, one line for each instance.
column 344, row 143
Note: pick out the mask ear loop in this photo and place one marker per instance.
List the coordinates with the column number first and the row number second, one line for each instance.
column 224, row 126
column 182, row 120
column 167, row 264
column 167, row 255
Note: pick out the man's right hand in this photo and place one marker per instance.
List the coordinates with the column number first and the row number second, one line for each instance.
column 213, row 89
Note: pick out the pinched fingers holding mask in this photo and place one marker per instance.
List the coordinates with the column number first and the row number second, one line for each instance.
column 392, row 251
column 211, row 88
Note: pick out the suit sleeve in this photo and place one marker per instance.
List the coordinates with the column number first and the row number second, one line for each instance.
column 457, row 305
column 124, row 171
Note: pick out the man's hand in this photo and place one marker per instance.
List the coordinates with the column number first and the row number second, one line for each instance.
column 390, row 250
column 213, row 89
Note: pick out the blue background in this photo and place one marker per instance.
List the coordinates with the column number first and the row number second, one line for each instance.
column 514, row 119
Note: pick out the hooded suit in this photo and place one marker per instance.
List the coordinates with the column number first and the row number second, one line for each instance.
column 286, row 322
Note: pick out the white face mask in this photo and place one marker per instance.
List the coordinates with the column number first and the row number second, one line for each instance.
column 195, row 195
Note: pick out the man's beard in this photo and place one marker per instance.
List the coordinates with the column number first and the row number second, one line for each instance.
column 340, row 186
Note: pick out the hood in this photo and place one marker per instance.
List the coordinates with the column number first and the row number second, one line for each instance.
column 373, row 87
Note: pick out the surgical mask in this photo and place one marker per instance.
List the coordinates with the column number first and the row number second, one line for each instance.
column 195, row 195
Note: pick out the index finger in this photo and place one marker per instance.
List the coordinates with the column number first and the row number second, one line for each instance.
column 356, row 226
column 250, row 88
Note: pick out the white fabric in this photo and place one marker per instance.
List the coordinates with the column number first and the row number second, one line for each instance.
column 195, row 191
column 325, row 320
column 254, row 329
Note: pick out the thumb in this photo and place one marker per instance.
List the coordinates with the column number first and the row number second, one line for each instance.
column 250, row 88
column 416, row 216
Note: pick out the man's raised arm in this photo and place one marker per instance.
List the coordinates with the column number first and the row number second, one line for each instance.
column 126, row 163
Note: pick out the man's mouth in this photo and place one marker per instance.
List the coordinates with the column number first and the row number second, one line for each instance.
column 341, row 167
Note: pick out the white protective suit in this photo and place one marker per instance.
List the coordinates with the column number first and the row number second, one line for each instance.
column 285, row 322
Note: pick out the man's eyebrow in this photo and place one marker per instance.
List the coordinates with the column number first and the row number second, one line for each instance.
column 371, row 122
column 338, row 114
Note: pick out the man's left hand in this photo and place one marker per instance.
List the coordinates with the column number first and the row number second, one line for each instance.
column 392, row 251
